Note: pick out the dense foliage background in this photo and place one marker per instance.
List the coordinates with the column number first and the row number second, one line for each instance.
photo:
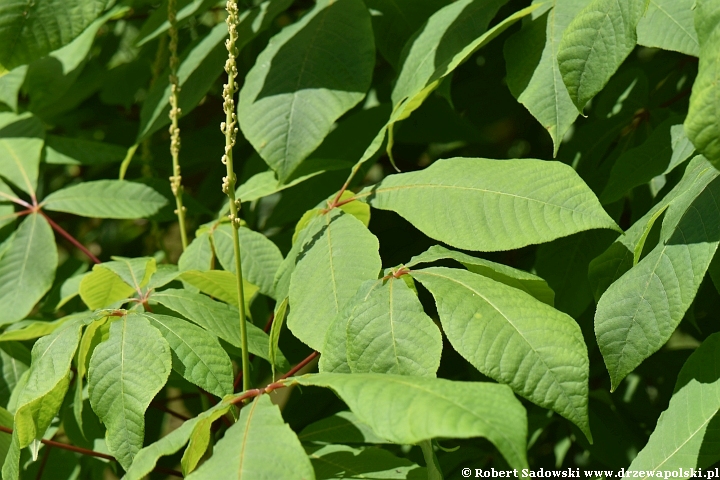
column 116, row 336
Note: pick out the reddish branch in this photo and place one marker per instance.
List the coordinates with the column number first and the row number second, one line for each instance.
column 70, row 238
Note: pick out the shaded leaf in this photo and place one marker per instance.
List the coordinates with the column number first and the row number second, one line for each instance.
column 77, row 151
column 336, row 462
column 342, row 427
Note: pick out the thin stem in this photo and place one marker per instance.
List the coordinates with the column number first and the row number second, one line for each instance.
column 299, row 366
column 15, row 200
column 229, row 128
column 70, row 238
column 169, row 411
column 176, row 179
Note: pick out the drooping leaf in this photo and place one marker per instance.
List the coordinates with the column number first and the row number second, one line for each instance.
column 126, row 372
column 337, row 462
column 310, row 74
column 687, row 431
column 34, row 330
column 103, row 287
column 498, row 329
column 61, row 150
column 260, row 256
column 275, row 329
column 27, row 269
column 10, row 84
column 594, row 45
column 259, row 446
column 21, row 143
column 220, row 284
column 31, row 31
column 527, row 282
column 200, row 439
column 200, row 358
column 106, row 199
column 342, row 427
column 490, row 205
column 330, row 268
column 534, row 78
column 389, row 405
column 668, row 24
column 639, row 312
column 91, row 337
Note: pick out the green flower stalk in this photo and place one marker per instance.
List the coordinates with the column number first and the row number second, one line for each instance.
column 176, row 178
column 229, row 128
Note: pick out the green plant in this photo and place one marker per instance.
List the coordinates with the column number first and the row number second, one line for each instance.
column 491, row 227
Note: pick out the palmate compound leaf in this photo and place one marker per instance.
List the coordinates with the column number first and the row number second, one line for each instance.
column 514, row 338
column 126, row 372
column 310, row 74
column 260, row 446
column 197, row 355
column 43, row 391
column 106, row 199
column 594, row 45
column 668, row 24
column 538, row 84
column 491, row 205
column 638, row 312
column 27, row 268
column 687, row 433
column 330, row 267
column 409, row 410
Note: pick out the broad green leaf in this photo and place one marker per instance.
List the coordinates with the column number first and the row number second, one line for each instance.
column 200, row 438
column 668, row 24
column 682, row 147
column 77, row 151
column 334, row 352
column 10, row 84
column 527, row 282
column 275, row 329
column 259, row 446
column 136, row 272
column 27, row 269
column 533, row 72
column 514, row 339
column 359, row 210
column 220, row 284
column 342, row 427
column 163, row 275
column 491, row 205
column 69, row 289
column 35, row 330
column 7, row 208
column 702, row 124
column 31, row 31
column 639, row 312
column 260, row 257
column 330, row 268
column 147, row 458
column 11, row 369
column 309, row 226
column 337, row 462
column 6, row 420
column 389, row 404
column 310, row 74
column 594, row 45
column 201, row 65
column 198, row 255
column 126, row 372
column 42, row 393
column 686, row 432
column 106, row 199
column 218, row 318
column 91, row 337
column 388, row 332
column 707, row 14
column 102, row 288
column 158, row 23
column 199, row 357
column 21, row 143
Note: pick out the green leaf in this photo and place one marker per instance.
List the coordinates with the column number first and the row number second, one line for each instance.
column 220, row 284
column 330, row 268
column 533, row 72
column 277, row 324
column 686, row 432
column 102, row 288
column 158, row 23
column 707, row 14
column 389, row 404
column 388, row 331
column 310, row 74
column 11, row 369
column 35, row 330
column 147, row 458
column 7, row 208
column 27, row 269
column 260, row 256
column 682, row 147
column 594, row 45
column 259, row 446
column 639, row 312
column 514, row 339
column 199, row 357
column 200, row 439
column 527, row 282
column 218, row 318
column 10, row 84
column 136, row 272
column 702, row 124
column 342, row 427
column 91, row 337
column 126, row 372
column 310, row 225
column 106, row 199
column 165, row 274
column 491, row 205
column 31, row 31
column 359, row 210
column 337, row 462
column 77, row 151
column 198, row 255
column 668, row 24
column 21, row 143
